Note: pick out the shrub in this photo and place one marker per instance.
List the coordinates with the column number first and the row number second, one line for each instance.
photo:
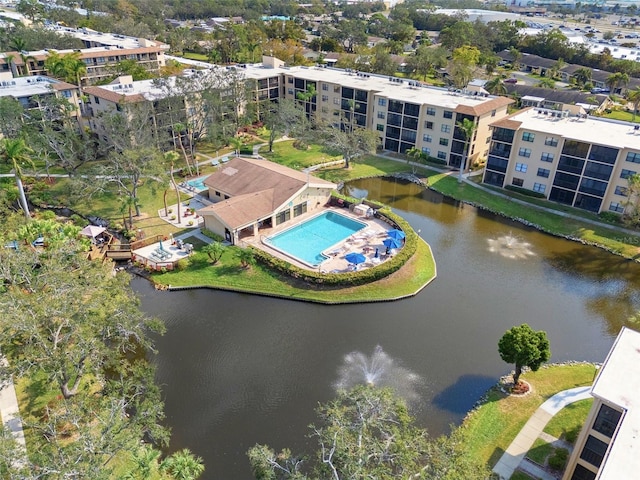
column 46, row 215
column 558, row 460
column 78, row 220
column 182, row 264
column 172, row 218
column 524, row 191
column 211, row 235
column 190, row 223
column 610, row 217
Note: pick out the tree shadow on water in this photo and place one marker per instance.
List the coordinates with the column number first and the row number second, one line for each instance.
column 460, row 396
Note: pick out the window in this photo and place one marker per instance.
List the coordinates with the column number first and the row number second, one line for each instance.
column 381, row 115
column 539, row 187
column 444, row 142
column 445, row 128
column 626, row 173
column 447, row 114
column 66, row 93
column 290, row 91
column 289, row 79
column 299, row 209
column 431, row 111
column 442, row 155
column 607, row 420
column 623, row 191
column 603, row 154
column 581, row 473
column 551, row 142
column 380, row 127
column 528, row 136
column 633, row 157
column 521, row 167
column 325, row 98
column 593, row 451
column 324, row 110
column 217, row 193
column 575, row 148
column 283, row 217
column 426, row 150
column 426, row 138
column 336, row 101
column 616, row 207
column 428, row 125
column 546, row 157
column 382, row 102
column 96, row 100
column 325, row 87
column 518, row 182
column 493, row 113
column 488, row 139
column 543, row 172
column 524, row 152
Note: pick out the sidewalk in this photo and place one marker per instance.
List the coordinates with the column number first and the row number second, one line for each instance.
column 10, row 413
column 516, row 452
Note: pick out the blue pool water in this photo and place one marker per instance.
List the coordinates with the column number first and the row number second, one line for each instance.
column 307, row 241
column 197, row 183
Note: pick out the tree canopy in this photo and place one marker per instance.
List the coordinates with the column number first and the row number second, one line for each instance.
column 524, row 347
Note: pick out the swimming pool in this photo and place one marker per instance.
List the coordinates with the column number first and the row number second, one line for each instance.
column 197, row 183
column 307, row 241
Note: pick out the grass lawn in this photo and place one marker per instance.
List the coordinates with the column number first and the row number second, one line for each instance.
column 286, row 154
column 622, row 115
column 539, row 451
column 229, row 274
column 518, row 475
column 195, row 56
column 370, row 166
column 488, row 431
column 566, row 424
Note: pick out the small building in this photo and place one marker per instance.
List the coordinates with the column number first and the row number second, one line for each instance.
column 607, row 447
column 252, row 195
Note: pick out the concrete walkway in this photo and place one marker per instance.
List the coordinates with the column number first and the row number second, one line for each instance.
column 515, row 453
column 10, row 413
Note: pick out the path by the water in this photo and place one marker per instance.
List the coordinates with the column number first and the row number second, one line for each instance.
column 513, row 457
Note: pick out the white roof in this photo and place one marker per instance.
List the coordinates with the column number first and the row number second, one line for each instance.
column 20, row 87
column 591, row 129
column 113, row 39
column 619, row 383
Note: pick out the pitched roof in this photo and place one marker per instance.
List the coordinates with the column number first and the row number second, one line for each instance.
column 484, row 107
column 114, row 96
column 257, row 188
column 559, row 96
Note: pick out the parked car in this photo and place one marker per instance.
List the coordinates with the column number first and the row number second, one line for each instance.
column 600, row 90
column 511, row 80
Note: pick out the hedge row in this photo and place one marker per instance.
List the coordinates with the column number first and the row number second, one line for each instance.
column 359, row 277
column 524, row 191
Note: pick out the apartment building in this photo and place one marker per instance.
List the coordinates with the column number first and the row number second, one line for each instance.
column 606, row 448
column 98, row 61
column 32, row 92
column 404, row 113
column 572, row 159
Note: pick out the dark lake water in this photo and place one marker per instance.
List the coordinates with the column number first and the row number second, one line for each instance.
column 239, row 369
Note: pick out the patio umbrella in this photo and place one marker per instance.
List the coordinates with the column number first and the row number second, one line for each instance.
column 397, row 234
column 162, row 249
column 92, row 231
column 392, row 243
column 377, row 254
column 355, row 258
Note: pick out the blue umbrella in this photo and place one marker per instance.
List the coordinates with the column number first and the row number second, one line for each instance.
column 355, row 258
column 392, row 243
column 161, row 249
column 397, row 234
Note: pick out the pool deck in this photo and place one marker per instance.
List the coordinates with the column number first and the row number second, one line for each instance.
column 365, row 241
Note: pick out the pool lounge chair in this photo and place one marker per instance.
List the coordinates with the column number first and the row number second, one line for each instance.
column 215, row 162
column 224, row 159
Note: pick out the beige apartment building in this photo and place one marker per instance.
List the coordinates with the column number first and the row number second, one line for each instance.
column 32, row 92
column 607, row 447
column 572, row 159
column 405, row 113
column 98, row 60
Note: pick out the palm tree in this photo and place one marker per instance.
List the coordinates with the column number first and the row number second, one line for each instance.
column 145, row 464
column 634, row 97
column 416, row 155
column 10, row 59
column 178, row 128
column 172, row 157
column 246, row 257
column 617, row 80
column 15, row 151
column 582, row 75
column 25, row 60
column 183, row 465
column 467, row 128
column 547, row 82
column 496, row 86
column 517, row 56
